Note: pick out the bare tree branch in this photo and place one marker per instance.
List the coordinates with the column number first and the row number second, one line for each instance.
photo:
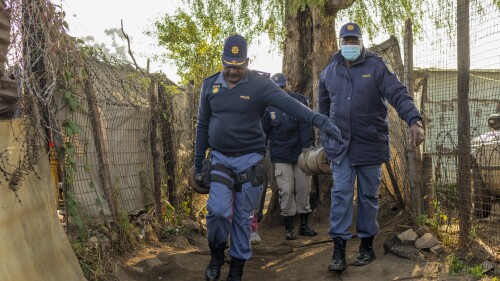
column 130, row 51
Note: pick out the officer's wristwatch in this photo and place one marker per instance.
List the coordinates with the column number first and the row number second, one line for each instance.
column 418, row 123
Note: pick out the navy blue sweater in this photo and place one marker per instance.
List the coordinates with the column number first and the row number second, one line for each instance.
column 229, row 120
column 287, row 136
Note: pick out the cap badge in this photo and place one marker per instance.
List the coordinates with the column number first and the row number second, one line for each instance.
column 273, row 115
column 350, row 27
column 235, row 50
column 276, row 78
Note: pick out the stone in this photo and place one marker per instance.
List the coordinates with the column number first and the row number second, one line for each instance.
column 438, row 249
column 426, row 242
column 408, row 236
column 191, row 225
column 421, row 231
column 399, row 248
column 488, row 265
column 181, row 242
column 154, row 262
column 137, row 269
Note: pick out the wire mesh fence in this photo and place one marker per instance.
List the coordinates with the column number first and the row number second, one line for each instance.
column 465, row 153
column 452, row 182
column 106, row 123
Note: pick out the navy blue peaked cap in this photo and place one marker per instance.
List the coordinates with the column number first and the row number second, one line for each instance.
column 235, row 51
column 280, row 79
column 350, row 29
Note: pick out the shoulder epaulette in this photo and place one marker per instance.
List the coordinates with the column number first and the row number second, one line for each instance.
column 215, row 74
column 266, row 74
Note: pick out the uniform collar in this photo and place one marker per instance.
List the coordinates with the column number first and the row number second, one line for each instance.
column 222, row 81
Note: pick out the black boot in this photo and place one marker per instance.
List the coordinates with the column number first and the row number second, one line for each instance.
column 290, row 231
column 366, row 253
column 213, row 269
column 338, row 259
column 235, row 269
column 304, row 227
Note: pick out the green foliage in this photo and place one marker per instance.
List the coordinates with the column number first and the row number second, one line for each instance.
column 421, row 220
column 437, row 220
column 193, row 35
column 477, row 271
column 457, row 266
column 72, row 209
column 193, row 41
column 169, row 214
column 71, row 128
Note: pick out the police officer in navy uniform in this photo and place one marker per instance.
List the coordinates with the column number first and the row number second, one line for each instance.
column 232, row 104
column 288, row 137
column 354, row 90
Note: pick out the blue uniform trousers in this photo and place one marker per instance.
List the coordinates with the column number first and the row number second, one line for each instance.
column 341, row 210
column 231, row 212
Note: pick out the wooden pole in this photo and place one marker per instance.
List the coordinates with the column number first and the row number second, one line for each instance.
column 102, row 153
column 168, row 141
column 413, row 153
column 463, row 125
column 428, row 185
column 153, row 137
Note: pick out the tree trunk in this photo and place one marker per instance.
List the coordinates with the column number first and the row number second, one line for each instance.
column 310, row 41
column 298, row 47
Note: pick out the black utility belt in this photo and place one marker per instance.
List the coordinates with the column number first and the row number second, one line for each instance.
column 234, row 154
column 254, row 175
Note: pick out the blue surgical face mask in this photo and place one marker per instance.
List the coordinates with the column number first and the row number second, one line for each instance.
column 350, row 52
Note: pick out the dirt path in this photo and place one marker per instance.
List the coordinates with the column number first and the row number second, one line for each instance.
column 277, row 259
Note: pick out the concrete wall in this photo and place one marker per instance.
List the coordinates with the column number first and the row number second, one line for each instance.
column 33, row 245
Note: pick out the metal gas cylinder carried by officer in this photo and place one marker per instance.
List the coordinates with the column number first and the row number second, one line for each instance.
column 353, row 91
column 232, row 103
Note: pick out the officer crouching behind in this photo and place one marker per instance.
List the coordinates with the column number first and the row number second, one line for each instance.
column 232, row 103
column 288, row 137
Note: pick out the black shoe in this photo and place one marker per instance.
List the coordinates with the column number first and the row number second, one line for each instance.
column 212, row 273
column 304, row 229
column 366, row 254
column 290, row 231
column 235, row 269
column 338, row 259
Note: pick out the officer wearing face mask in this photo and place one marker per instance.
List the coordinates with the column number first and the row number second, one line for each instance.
column 232, row 104
column 354, row 92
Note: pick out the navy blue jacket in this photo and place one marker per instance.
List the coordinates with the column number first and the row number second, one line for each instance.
column 287, row 135
column 229, row 120
column 355, row 98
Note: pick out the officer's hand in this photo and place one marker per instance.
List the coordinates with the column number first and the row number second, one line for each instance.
column 326, row 126
column 198, row 178
column 416, row 135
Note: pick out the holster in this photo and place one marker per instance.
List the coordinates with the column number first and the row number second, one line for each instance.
column 206, row 168
column 254, row 175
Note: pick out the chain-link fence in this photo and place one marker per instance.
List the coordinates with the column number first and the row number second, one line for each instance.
column 118, row 137
column 458, row 84
column 452, row 182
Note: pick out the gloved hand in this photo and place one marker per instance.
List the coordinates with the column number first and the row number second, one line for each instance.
column 198, row 178
column 325, row 125
column 198, row 163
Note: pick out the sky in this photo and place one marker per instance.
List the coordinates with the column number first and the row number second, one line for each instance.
column 92, row 17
